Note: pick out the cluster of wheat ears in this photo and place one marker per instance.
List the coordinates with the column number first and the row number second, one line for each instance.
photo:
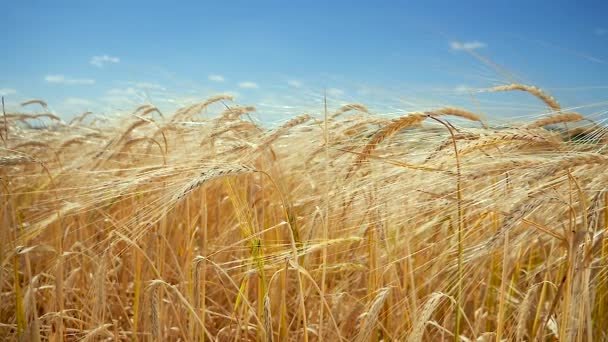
column 339, row 226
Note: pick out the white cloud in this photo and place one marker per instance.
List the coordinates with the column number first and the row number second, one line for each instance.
column 335, row 92
column 472, row 45
column 100, row 61
column 216, row 78
column 149, row 86
column 70, row 81
column 295, row 83
column 77, row 102
column 248, row 85
column 600, row 31
column 7, row 91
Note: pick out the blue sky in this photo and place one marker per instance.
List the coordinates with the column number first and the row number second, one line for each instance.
column 110, row 56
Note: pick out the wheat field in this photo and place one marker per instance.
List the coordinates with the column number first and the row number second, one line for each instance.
column 339, row 225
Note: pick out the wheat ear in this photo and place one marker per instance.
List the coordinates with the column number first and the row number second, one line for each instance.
column 210, row 174
column 535, row 91
column 35, row 101
column 348, row 108
column 555, row 119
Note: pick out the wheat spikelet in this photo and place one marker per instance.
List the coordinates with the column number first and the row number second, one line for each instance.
column 210, row 174
column 350, row 107
column 385, row 132
column 268, row 319
column 150, row 109
column 187, row 112
column 22, row 117
column 144, row 106
column 99, row 290
column 133, row 126
column 69, row 142
column 32, row 144
column 514, row 216
column 456, row 112
column 446, row 143
column 501, row 167
column 278, row 132
column 15, row 160
column 524, row 312
column 235, row 112
column 132, row 142
column 555, row 119
column 537, row 92
column 494, row 139
column 46, row 115
column 153, row 292
column 78, row 119
column 570, row 162
column 35, row 101
column 595, row 210
column 423, row 317
column 371, row 316
column 235, row 126
column 359, row 127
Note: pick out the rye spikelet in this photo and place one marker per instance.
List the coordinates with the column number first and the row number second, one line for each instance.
column 210, row 174
column 537, row 92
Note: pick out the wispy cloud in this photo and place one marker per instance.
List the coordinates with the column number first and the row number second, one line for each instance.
column 7, row 91
column 149, row 86
column 463, row 89
column 77, row 102
column 600, row 31
column 472, row 45
column 335, row 92
column 248, row 85
column 216, row 78
column 61, row 79
column 100, row 61
column 295, row 83
column 130, row 91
